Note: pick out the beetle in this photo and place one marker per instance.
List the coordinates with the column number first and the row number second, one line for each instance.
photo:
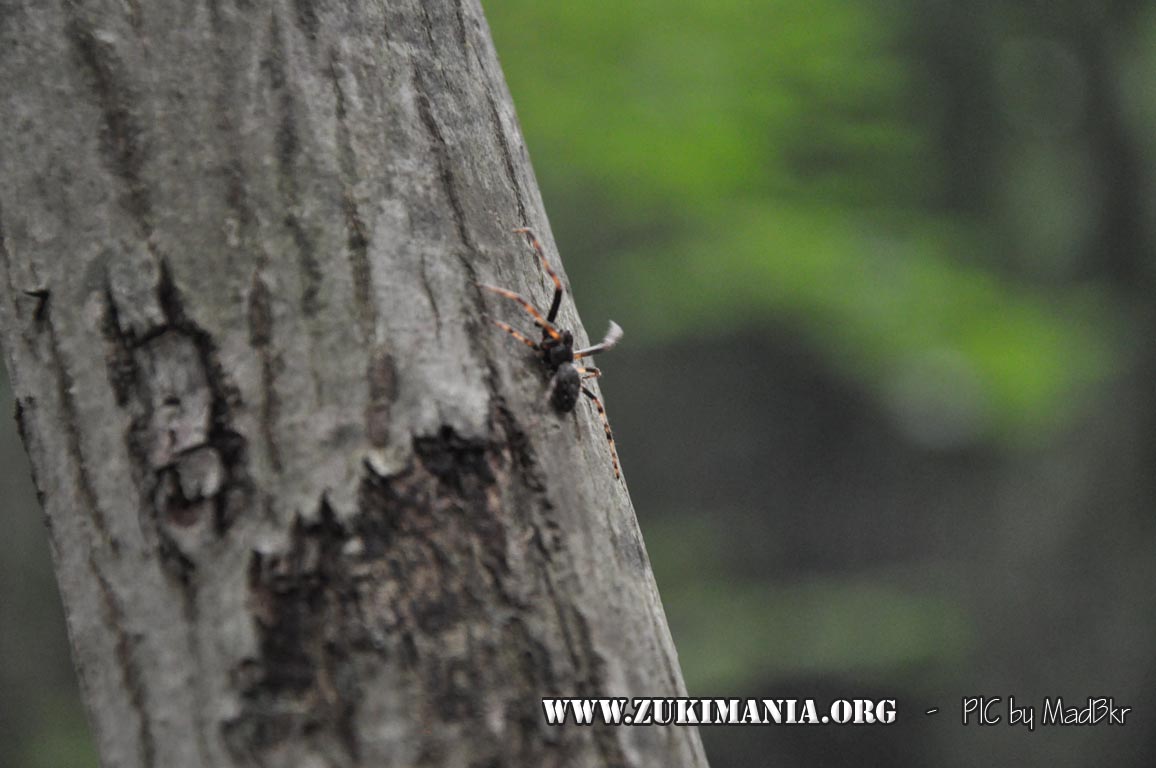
column 556, row 348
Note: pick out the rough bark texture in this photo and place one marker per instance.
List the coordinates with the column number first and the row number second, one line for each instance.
column 307, row 507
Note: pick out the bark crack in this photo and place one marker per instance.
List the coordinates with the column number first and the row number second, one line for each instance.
column 444, row 165
column 382, row 393
column 460, row 14
column 288, row 144
column 6, row 264
column 429, row 293
column 260, row 318
column 357, row 238
column 507, row 157
column 71, row 422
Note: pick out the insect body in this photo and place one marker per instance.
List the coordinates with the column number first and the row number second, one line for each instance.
column 557, row 349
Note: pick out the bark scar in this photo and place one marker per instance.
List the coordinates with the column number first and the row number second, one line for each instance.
column 189, row 462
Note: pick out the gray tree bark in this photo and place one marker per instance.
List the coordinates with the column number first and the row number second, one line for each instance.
column 307, row 508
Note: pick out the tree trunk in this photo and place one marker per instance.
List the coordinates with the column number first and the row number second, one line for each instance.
column 307, row 507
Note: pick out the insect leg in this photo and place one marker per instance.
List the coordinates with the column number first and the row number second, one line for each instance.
column 557, row 301
column 516, row 334
column 606, row 426
column 539, row 321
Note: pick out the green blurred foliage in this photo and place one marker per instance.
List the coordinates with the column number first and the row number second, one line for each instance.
column 869, row 630
column 751, row 163
column 732, row 631
column 691, row 104
column 61, row 737
column 42, row 722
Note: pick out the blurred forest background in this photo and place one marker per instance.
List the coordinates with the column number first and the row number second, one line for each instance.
column 886, row 402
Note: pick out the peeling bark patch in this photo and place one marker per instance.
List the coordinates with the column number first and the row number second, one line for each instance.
column 191, row 465
column 421, row 577
column 453, row 459
column 302, row 687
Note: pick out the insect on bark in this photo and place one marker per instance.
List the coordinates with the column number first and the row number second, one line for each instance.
column 556, row 348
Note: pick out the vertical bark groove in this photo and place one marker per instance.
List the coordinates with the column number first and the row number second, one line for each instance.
column 261, row 338
column 73, row 439
column 121, row 136
column 358, row 238
column 128, row 666
column 507, row 155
